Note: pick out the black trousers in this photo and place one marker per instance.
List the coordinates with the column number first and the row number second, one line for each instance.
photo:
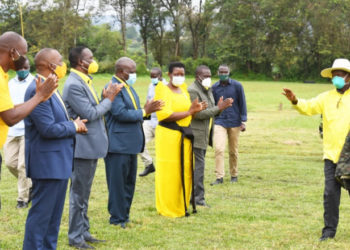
column 121, row 178
column 331, row 199
column 199, row 175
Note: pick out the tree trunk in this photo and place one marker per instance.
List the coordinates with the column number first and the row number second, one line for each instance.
column 145, row 46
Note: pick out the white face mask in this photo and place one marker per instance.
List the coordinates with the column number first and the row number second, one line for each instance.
column 178, row 80
column 206, row 82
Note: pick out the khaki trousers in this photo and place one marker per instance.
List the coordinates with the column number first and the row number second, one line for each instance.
column 14, row 160
column 149, row 132
column 220, row 139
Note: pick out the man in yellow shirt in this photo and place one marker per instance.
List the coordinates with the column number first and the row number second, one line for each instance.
column 13, row 48
column 334, row 106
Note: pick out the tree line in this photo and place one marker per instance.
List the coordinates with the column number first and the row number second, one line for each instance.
column 283, row 39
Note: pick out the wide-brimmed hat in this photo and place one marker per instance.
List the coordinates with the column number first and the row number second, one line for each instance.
column 338, row 64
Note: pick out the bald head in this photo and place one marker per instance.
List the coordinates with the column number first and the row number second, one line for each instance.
column 123, row 67
column 13, row 47
column 46, row 60
column 123, row 63
column 11, row 39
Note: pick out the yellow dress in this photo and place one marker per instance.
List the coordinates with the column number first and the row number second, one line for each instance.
column 169, row 193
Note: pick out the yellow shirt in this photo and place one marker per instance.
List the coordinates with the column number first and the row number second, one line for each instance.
column 88, row 82
column 335, row 110
column 5, row 104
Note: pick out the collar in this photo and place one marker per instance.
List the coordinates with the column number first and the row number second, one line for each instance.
column 121, row 81
column 41, row 76
column 228, row 82
column 86, row 78
column 3, row 73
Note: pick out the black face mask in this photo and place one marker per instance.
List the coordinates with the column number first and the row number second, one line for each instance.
column 19, row 62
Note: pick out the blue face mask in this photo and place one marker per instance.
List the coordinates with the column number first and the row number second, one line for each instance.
column 22, row 74
column 132, row 79
column 154, row 81
column 338, row 82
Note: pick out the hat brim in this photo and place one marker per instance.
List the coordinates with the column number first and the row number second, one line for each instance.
column 327, row 73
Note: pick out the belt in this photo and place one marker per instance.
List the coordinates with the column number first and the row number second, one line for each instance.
column 185, row 132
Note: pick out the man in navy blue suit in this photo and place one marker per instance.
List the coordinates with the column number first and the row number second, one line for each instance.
column 49, row 147
column 126, row 140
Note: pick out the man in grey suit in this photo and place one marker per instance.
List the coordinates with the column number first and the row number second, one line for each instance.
column 81, row 101
column 202, row 126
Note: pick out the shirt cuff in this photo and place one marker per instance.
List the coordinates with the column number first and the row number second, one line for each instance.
column 76, row 126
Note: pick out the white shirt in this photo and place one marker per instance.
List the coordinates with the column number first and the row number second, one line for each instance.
column 150, row 95
column 17, row 91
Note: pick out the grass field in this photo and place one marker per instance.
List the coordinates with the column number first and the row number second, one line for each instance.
column 277, row 203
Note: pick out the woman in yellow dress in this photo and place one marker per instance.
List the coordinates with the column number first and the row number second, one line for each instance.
column 171, row 200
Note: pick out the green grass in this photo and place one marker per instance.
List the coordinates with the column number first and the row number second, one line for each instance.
column 277, row 203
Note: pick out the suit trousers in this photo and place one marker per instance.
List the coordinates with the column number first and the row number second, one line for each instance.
column 44, row 217
column 81, row 182
column 220, row 139
column 149, row 132
column 331, row 199
column 121, row 178
column 14, row 160
column 199, row 167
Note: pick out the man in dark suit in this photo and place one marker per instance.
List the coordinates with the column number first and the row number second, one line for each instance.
column 81, row 100
column 49, row 146
column 126, row 140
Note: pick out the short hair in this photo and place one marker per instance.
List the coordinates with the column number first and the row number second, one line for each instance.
column 173, row 65
column 121, row 62
column 158, row 70
column 200, row 68
column 75, row 55
column 43, row 55
column 224, row 65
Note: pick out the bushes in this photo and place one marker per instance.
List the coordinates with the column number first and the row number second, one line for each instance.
column 191, row 64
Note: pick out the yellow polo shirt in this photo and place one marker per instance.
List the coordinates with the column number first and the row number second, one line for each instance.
column 335, row 110
column 5, row 104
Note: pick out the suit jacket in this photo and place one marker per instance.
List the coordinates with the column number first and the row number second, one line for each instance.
column 80, row 102
column 49, row 139
column 124, row 123
column 201, row 120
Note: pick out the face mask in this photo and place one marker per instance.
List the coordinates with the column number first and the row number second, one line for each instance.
column 60, row 71
column 132, row 79
column 206, row 82
column 19, row 61
column 154, row 81
column 178, row 80
column 338, row 82
column 22, row 74
column 223, row 77
column 93, row 67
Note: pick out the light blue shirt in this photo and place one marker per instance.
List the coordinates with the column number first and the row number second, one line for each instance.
column 17, row 90
column 150, row 96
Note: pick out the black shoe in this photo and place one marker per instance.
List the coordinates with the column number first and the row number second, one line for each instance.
column 22, row 204
column 234, row 179
column 121, row 224
column 326, row 237
column 81, row 245
column 149, row 169
column 93, row 240
column 217, row 181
